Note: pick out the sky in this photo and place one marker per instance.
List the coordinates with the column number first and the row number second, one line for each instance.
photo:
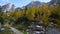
column 19, row 3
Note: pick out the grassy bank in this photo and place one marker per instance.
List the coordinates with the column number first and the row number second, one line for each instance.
column 6, row 31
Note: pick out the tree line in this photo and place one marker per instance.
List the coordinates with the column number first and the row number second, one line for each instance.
column 25, row 17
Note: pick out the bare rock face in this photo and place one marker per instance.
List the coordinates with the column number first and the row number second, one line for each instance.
column 54, row 2
column 8, row 7
column 35, row 3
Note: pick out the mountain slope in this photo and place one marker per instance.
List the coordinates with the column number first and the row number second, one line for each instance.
column 34, row 3
column 54, row 2
column 8, row 7
column 18, row 8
